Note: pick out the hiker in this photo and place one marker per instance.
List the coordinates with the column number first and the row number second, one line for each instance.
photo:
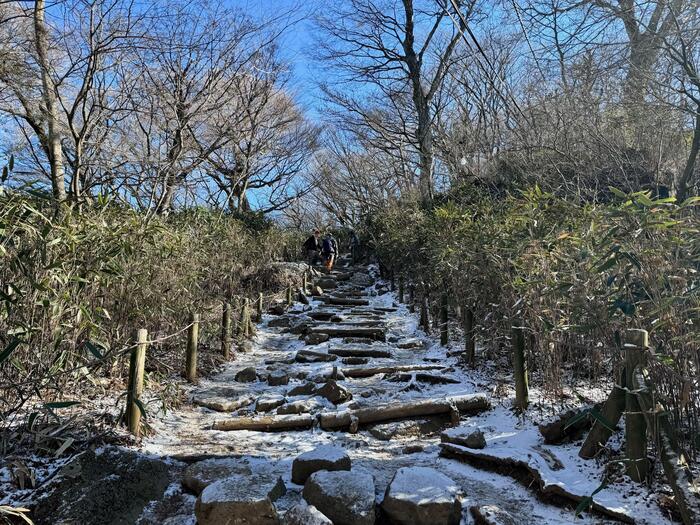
column 329, row 250
column 312, row 247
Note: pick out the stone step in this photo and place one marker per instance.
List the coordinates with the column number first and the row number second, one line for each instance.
column 360, row 352
column 338, row 330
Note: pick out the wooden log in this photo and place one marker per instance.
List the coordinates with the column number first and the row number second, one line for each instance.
column 344, row 301
column 360, row 352
column 467, row 404
column 192, row 343
column 226, row 331
column 636, row 341
column 469, row 337
column 444, row 333
column 359, row 372
column 137, row 363
column 266, row 423
column 520, row 367
column 350, row 331
column 612, row 412
column 674, row 463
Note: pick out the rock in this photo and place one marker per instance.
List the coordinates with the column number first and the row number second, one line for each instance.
column 277, row 378
column 247, row 375
column 108, row 486
column 302, row 298
column 325, row 457
column 491, row 515
column 327, row 283
column 316, row 339
column 309, row 356
column 470, row 437
column 361, row 279
column 334, row 392
column 422, row 496
column 412, row 449
column 240, row 500
column 277, row 308
column 406, row 428
column 305, row 389
column 302, row 514
column 410, row 343
column 304, row 406
column 357, row 341
column 269, row 402
column 245, row 347
column 300, row 325
column 316, row 291
column 200, row 475
column 566, row 427
column 278, row 322
column 346, row 497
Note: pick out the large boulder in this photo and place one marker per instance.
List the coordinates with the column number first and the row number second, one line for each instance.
column 346, row 497
column 327, row 283
column 316, row 339
column 240, row 500
column 334, row 392
column 302, row 514
column 325, row 457
column 470, row 437
column 201, row 474
column 277, row 378
column 406, row 428
column 303, row 406
column 422, row 496
column 110, row 486
column 269, row 402
column 491, row 515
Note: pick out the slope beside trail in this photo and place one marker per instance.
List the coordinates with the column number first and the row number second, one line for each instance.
column 286, row 373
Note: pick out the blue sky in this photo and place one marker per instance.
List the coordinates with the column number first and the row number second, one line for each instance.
column 297, row 44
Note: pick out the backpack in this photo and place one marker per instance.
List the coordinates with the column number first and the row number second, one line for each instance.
column 328, row 245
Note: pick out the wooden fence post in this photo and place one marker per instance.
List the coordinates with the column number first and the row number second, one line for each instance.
column 411, row 297
column 469, row 336
column 135, row 386
column 243, row 321
column 192, row 342
column 636, row 341
column 226, row 331
column 260, row 306
column 290, row 296
column 305, row 283
column 444, row 332
column 519, row 366
column 392, row 281
column 401, row 288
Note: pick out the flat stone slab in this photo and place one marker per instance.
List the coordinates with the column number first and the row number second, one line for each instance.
column 467, row 436
column 422, row 496
column 346, row 497
column 277, row 378
column 325, row 457
column 222, row 404
column 491, row 515
column 309, row 356
column 269, row 402
column 303, row 406
column 340, row 330
column 406, row 428
column 334, row 392
column 240, row 499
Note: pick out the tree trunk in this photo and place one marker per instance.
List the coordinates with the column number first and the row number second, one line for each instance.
column 686, row 180
column 55, row 153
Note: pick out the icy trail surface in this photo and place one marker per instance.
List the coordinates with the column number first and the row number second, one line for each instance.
column 283, row 383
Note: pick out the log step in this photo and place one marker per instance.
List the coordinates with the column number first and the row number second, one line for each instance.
column 360, row 352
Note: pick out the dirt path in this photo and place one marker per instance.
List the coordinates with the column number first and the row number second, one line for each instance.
column 378, row 449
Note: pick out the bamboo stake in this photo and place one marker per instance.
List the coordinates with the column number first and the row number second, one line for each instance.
column 636, row 341
column 520, row 366
column 191, row 355
column 226, row 331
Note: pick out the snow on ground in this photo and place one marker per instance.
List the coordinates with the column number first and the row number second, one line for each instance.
column 187, row 431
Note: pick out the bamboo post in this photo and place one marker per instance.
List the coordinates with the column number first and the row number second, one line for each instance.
column 444, row 332
column 226, row 331
column 192, row 342
column 135, row 389
column 469, row 339
column 260, row 307
column 401, row 288
column 305, row 283
column 635, row 424
column 290, row 296
column 243, row 322
column 412, row 297
column 520, row 366
column 612, row 412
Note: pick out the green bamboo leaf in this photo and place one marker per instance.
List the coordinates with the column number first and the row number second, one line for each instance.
column 142, row 408
column 602, row 419
column 583, row 505
column 9, row 349
column 93, row 350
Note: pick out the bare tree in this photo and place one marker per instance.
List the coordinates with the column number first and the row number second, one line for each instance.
column 400, row 47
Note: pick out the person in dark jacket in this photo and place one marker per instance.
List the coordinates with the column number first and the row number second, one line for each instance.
column 312, row 247
column 329, row 250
